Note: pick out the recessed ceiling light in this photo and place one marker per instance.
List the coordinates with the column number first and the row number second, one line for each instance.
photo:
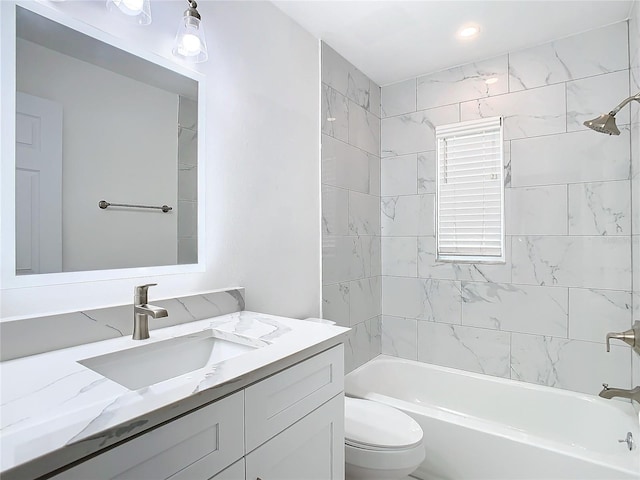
column 491, row 81
column 469, row 31
column 331, row 119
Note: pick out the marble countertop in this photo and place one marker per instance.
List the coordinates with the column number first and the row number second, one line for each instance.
column 55, row 411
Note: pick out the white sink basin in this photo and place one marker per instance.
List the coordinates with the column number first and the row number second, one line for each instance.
column 146, row 365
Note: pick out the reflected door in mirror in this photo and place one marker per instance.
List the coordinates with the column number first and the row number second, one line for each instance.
column 38, row 185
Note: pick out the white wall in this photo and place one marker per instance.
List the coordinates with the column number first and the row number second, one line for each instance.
column 262, row 175
column 119, row 144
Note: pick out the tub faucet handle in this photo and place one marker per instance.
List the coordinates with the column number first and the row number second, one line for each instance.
column 629, row 337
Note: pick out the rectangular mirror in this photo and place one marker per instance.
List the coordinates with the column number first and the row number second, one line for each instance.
column 106, row 155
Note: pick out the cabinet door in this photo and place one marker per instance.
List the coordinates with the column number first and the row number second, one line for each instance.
column 284, row 398
column 311, row 449
column 234, row 472
column 196, row 446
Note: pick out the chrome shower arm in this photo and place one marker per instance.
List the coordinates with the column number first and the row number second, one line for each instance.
column 635, row 97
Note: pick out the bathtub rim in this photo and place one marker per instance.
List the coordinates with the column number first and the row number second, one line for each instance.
column 627, row 405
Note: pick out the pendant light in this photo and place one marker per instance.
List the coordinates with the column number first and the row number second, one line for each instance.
column 138, row 11
column 190, row 43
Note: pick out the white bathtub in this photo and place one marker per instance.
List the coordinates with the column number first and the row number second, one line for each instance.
column 481, row 427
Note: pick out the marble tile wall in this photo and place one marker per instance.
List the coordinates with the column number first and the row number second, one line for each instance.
column 634, row 80
column 187, row 181
column 351, row 257
column 31, row 336
column 542, row 316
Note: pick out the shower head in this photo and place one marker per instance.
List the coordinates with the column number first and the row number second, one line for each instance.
column 606, row 123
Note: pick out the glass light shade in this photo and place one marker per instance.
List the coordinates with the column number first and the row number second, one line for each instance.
column 190, row 43
column 137, row 11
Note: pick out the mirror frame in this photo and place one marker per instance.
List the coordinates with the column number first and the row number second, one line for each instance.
column 8, row 276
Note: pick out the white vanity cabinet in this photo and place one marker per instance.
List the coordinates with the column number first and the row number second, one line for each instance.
column 294, row 422
column 312, row 448
column 234, row 472
column 287, row 426
column 195, row 446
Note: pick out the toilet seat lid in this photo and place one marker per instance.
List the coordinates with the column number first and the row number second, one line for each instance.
column 372, row 424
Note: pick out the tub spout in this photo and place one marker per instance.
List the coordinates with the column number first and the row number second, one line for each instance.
column 633, row 394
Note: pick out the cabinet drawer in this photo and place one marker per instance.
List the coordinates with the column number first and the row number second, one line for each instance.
column 204, row 442
column 311, row 449
column 284, row 398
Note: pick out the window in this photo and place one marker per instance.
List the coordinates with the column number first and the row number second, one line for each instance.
column 470, row 192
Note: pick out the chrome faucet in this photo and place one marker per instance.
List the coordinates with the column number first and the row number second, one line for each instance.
column 633, row 394
column 631, row 337
column 142, row 311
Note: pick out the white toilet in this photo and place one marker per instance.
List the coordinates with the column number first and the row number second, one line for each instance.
column 381, row 442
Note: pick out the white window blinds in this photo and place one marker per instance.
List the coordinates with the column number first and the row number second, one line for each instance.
column 470, row 191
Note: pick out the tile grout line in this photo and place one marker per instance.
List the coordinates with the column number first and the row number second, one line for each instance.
column 631, row 181
column 568, row 311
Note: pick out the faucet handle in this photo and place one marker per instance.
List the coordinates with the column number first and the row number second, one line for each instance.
column 140, row 293
column 628, row 337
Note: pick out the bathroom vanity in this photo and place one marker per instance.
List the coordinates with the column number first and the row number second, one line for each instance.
column 273, row 409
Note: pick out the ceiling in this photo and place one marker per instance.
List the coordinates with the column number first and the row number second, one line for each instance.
column 392, row 41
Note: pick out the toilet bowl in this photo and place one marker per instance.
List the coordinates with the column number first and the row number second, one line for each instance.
column 380, row 442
